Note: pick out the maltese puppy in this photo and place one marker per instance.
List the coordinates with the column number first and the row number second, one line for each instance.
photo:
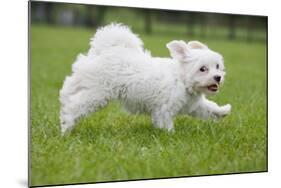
column 118, row 68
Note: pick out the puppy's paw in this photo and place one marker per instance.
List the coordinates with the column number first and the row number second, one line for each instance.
column 170, row 130
column 224, row 110
column 66, row 128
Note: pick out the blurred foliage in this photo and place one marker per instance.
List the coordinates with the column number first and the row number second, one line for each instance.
column 151, row 21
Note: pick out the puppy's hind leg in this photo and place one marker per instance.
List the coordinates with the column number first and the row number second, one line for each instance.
column 80, row 105
column 79, row 102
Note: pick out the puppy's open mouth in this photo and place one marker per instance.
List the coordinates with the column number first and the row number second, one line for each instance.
column 213, row 87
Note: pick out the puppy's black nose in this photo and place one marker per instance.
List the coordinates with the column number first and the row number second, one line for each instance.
column 217, row 78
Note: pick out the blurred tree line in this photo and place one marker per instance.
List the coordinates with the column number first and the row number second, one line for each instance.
column 152, row 21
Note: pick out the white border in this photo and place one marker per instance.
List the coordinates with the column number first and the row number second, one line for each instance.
column 13, row 99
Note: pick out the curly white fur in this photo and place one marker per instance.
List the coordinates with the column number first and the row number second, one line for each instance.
column 117, row 67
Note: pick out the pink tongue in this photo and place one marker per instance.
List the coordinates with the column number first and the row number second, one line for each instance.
column 213, row 87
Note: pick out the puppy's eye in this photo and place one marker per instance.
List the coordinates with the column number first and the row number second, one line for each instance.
column 203, row 69
column 217, row 66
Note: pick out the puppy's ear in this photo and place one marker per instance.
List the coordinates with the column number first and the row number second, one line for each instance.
column 178, row 49
column 197, row 45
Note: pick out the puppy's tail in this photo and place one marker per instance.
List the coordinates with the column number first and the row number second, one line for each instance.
column 114, row 35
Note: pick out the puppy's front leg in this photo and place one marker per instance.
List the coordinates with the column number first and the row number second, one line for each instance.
column 163, row 120
column 206, row 109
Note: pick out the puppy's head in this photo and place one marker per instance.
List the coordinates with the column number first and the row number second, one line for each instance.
column 202, row 68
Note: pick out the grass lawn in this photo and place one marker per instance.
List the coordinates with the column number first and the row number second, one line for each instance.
column 112, row 145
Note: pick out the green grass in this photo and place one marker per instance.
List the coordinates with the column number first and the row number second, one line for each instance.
column 112, row 145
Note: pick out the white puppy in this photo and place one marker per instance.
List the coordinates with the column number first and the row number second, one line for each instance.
column 117, row 67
